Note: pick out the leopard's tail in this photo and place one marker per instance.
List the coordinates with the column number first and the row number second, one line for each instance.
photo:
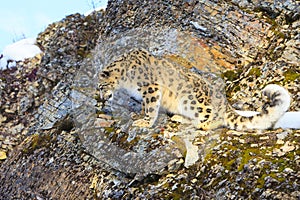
column 272, row 111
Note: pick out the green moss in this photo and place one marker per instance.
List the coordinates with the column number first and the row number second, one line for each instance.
column 230, row 75
column 89, row 55
column 82, row 52
column 133, row 141
column 276, row 82
column 285, row 161
column 209, row 154
column 291, row 75
column 37, row 141
column 34, row 141
column 109, row 129
column 177, row 194
column 180, row 144
column 236, row 88
column 229, row 164
column 255, row 71
column 261, row 180
column 121, row 138
column 245, row 159
column 279, row 34
column 99, row 112
column 235, row 156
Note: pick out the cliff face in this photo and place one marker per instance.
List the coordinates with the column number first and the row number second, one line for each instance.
column 56, row 141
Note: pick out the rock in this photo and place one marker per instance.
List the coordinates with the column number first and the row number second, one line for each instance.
column 50, row 103
column 282, row 135
column 287, row 147
column 3, row 155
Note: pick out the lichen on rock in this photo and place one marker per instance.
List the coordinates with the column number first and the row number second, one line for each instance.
column 61, row 140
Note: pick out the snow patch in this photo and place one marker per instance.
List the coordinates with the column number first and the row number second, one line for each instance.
column 18, row 51
column 289, row 120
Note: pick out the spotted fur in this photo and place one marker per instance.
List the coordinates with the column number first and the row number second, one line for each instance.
column 158, row 83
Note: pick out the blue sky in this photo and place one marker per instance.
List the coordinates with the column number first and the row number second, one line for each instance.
column 19, row 18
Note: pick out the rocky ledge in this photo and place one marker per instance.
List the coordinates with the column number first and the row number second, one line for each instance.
column 58, row 139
